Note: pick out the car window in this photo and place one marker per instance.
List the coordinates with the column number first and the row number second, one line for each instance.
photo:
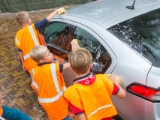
column 53, row 30
column 101, row 58
column 141, row 33
column 58, row 37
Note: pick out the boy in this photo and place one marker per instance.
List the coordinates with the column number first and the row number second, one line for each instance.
column 48, row 82
column 28, row 37
column 7, row 113
column 89, row 97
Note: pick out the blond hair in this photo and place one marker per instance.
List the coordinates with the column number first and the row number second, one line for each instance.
column 37, row 52
column 22, row 17
column 80, row 60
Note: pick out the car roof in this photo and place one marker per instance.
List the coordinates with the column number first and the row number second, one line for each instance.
column 103, row 10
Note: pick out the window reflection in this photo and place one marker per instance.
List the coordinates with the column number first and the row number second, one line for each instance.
column 142, row 34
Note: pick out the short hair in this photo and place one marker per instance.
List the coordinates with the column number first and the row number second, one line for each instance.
column 105, row 57
column 37, row 52
column 22, row 17
column 80, row 60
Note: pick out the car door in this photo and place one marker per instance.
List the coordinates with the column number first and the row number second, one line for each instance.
column 58, row 42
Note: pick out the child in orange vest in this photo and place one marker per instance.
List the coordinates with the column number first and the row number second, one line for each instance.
column 28, row 37
column 49, row 83
column 7, row 113
column 89, row 97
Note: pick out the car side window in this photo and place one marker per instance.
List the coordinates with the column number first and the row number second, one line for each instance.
column 142, row 34
column 101, row 58
column 58, row 37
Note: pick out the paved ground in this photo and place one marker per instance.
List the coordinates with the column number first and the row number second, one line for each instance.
column 14, row 82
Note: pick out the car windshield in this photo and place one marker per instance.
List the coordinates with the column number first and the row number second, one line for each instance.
column 141, row 33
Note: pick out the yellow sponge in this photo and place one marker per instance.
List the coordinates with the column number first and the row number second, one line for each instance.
column 61, row 11
column 118, row 79
column 74, row 41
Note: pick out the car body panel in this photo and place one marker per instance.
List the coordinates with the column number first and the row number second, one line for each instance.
column 103, row 10
column 152, row 111
column 129, row 65
column 130, row 14
column 153, row 80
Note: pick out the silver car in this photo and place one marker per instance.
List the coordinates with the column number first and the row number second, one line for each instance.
column 123, row 37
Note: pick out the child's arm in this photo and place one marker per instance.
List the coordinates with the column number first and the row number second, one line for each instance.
column 50, row 16
column 74, row 44
column 121, row 93
column 14, row 114
column 66, row 65
column 21, row 58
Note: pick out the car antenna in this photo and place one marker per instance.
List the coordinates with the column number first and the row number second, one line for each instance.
column 131, row 7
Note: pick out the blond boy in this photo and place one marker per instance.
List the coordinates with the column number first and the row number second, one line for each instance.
column 28, row 37
column 89, row 97
column 49, row 84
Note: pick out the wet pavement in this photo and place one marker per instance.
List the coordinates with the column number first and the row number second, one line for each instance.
column 14, row 82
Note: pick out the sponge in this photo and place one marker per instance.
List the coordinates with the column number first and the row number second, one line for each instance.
column 74, row 44
column 118, row 79
column 74, row 41
column 61, row 11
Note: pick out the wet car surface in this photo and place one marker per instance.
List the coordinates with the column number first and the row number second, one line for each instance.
column 122, row 41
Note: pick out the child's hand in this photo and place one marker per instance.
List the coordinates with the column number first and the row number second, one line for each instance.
column 23, row 67
column 61, row 11
column 74, row 44
column 114, row 78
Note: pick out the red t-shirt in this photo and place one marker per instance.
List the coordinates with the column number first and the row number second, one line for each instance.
column 88, row 80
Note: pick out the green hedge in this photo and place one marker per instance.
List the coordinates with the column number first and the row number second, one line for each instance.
column 29, row 5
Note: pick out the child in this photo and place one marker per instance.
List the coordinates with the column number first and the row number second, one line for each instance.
column 89, row 97
column 7, row 113
column 28, row 37
column 49, row 84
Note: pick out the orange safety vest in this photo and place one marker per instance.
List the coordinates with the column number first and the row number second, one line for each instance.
column 26, row 39
column 93, row 99
column 1, row 111
column 48, row 82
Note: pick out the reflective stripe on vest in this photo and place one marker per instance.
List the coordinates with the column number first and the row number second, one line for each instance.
column 17, row 41
column 54, row 76
column 32, row 71
column 59, row 92
column 26, row 56
column 34, row 40
column 95, row 111
column 33, row 82
column 33, row 35
column 48, row 100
